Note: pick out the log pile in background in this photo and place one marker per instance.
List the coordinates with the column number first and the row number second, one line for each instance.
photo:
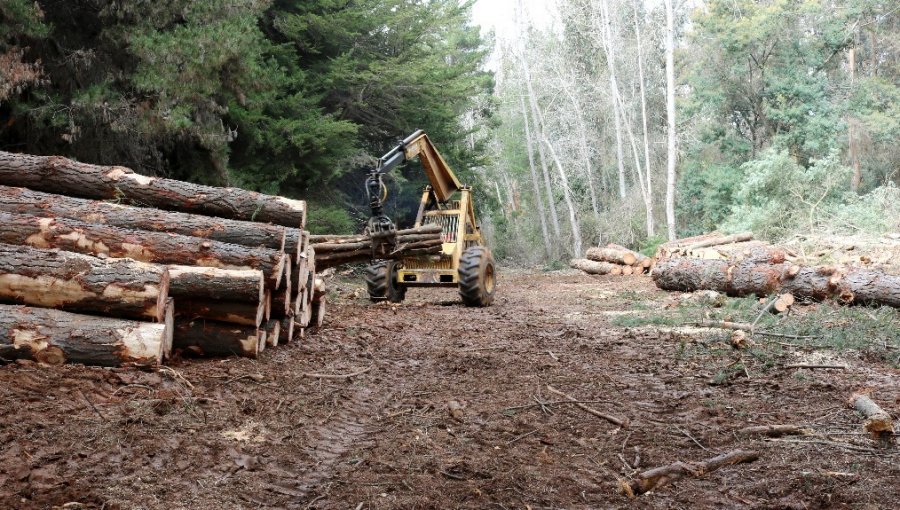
column 738, row 266
column 614, row 260
column 201, row 269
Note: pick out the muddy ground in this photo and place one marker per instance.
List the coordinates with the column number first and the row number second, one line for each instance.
column 447, row 415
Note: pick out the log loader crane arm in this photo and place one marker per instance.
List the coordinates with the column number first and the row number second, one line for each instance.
column 465, row 261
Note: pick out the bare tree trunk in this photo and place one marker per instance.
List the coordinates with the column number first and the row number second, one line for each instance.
column 851, row 131
column 539, row 127
column 650, row 221
column 542, row 213
column 670, row 114
column 567, row 195
column 582, row 143
column 613, row 88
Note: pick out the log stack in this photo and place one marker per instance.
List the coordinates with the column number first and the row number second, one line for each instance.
column 162, row 265
column 614, row 260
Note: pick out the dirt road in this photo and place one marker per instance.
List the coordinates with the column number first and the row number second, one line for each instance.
column 452, row 412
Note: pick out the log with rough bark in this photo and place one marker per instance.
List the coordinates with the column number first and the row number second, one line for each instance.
column 210, row 283
column 121, row 288
column 716, row 241
column 55, row 174
column 878, row 421
column 658, row 477
column 623, row 257
column 592, row 266
column 245, row 233
column 286, row 334
column 333, row 250
column 745, row 278
column 55, row 337
column 273, row 332
column 161, row 248
column 203, row 337
column 235, row 312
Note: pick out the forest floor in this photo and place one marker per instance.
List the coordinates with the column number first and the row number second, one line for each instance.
column 447, row 416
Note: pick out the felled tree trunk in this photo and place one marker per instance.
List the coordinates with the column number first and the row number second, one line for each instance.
column 203, row 337
column 233, row 312
column 665, row 475
column 745, row 278
column 247, row 285
column 81, row 283
column 593, row 267
column 55, row 337
column 103, row 240
column 55, row 174
column 246, row 233
column 336, row 250
column 614, row 255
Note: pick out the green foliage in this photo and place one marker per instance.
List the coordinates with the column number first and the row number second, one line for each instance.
column 329, row 219
column 706, row 195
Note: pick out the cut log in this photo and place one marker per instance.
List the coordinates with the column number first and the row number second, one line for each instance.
column 658, row 477
column 245, row 233
column 675, row 247
column 591, row 266
column 878, row 421
column 627, row 270
column 121, row 288
column 614, row 255
column 284, row 300
column 273, row 332
column 782, row 303
column 318, row 313
column 55, row 337
column 286, row 334
column 616, row 270
column 234, row 312
column 853, row 286
column 55, row 174
column 203, row 337
column 333, row 251
column 106, row 241
column 716, row 241
column 245, row 285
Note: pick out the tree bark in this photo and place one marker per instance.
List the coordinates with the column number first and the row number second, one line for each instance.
column 55, row 337
column 203, row 337
column 567, row 196
column 210, row 283
column 273, row 333
column 106, row 241
column 614, row 255
column 233, row 312
column 80, row 283
column 749, row 277
column 286, row 335
column 592, row 266
column 670, row 116
column 246, row 233
column 720, row 240
column 651, row 228
column 56, row 174
column 878, row 421
column 331, row 251
column 608, row 47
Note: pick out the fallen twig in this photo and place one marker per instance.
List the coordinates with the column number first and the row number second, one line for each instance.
column 612, row 419
column 802, row 365
column 316, row 375
column 773, row 430
column 556, row 403
column 657, row 477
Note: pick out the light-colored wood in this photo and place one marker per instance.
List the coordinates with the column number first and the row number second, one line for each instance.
column 878, row 421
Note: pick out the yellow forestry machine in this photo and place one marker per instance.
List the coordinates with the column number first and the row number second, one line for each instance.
column 464, row 260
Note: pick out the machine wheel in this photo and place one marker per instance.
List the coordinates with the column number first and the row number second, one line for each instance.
column 381, row 280
column 476, row 276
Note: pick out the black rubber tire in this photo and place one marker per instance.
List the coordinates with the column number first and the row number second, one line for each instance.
column 477, row 281
column 381, row 281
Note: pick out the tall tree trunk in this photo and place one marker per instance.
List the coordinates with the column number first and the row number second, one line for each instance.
column 582, row 144
column 851, row 128
column 606, row 35
column 651, row 229
column 670, row 114
column 542, row 213
column 567, row 195
column 539, row 127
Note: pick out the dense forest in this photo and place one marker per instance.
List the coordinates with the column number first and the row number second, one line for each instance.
column 623, row 121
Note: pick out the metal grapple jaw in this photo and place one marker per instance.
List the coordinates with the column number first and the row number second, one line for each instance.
column 379, row 227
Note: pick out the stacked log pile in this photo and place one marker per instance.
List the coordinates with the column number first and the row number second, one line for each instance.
column 336, row 250
column 613, row 259
column 169, row 265
column 738, row 266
